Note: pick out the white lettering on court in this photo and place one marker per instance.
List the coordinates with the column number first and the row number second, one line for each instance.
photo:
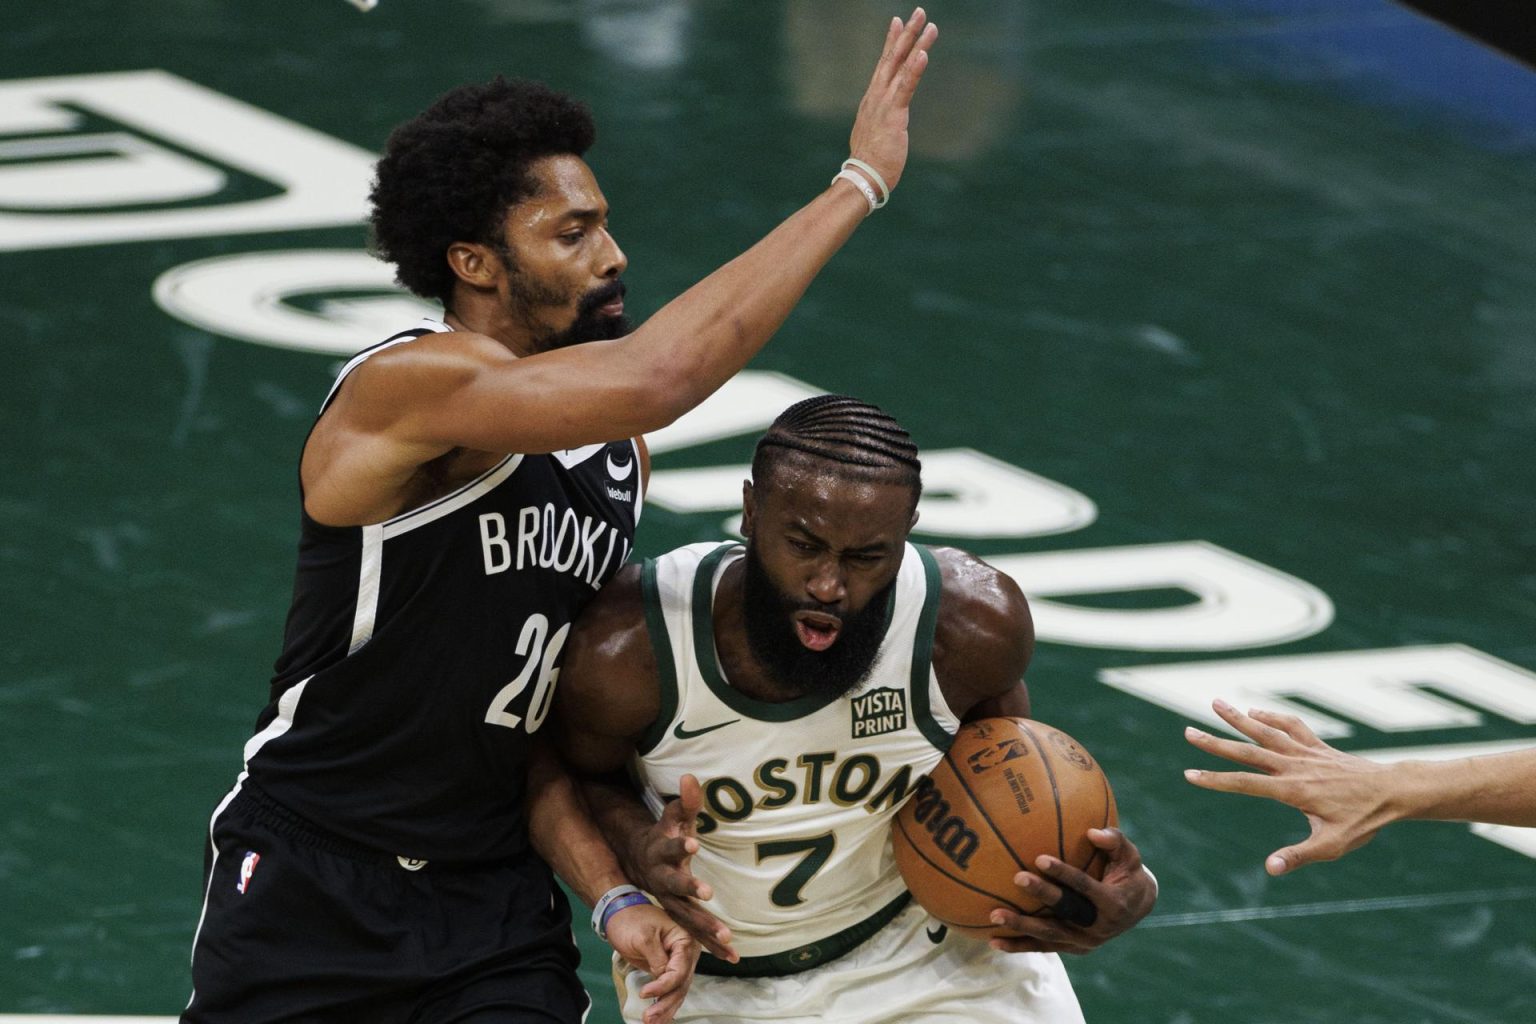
column 1237, row 602
column 1385, row 689
column 173, row 142
column 256, row 297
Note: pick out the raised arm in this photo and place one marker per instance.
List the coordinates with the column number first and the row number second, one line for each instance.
column 1348, row 799
column 430, row 397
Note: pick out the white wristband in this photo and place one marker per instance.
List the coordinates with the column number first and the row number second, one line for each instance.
column 614, row 900
column 858, row 181
column 874, row 176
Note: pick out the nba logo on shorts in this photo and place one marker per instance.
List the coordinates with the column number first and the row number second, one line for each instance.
column 247, row 869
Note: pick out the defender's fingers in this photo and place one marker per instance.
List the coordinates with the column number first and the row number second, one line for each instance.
column 663, row 981
column 669, row 964
column 1236, row 782
column 1264, row 735
column 892, row 32
column 1289, row 858
column 1233, row 750
column 886, row 70
column 665, row 1008
column 913, row 67
column 1292, row 726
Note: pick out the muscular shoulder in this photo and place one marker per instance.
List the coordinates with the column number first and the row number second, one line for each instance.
column 391, row 381
column 608, row 682
column 984, row 637
column 361, row 461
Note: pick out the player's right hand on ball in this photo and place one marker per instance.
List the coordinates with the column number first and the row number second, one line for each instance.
column 1120, row 899
column 879, row 136
column 666, row 853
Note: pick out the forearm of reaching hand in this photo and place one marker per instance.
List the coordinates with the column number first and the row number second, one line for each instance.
column 1497, row 788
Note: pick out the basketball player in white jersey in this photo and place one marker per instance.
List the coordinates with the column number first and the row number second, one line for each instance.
column 808, row 679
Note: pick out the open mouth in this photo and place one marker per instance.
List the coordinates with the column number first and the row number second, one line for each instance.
column 614, row 308
column 817, row 630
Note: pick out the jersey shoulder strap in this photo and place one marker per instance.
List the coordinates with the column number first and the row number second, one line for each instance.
column 669, row 587
column 426, row 326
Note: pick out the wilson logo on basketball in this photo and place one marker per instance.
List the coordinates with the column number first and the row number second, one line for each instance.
column 951, row 835
column 1028, row 789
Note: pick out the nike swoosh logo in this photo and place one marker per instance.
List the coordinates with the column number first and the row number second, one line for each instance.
column 688, row 734
column 936, row 935
column 618, row 472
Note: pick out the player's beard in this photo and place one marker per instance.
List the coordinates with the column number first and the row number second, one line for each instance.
column 836, row 671
column 590, row 325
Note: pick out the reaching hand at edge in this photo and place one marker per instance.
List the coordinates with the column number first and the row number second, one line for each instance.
column 1345, row 798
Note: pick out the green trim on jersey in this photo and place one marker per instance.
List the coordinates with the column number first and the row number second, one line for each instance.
column 666, row 667
column 809, row 955
column 709, row 664
column 922, row 654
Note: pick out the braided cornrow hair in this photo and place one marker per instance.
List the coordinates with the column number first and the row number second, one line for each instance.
column 861, row 437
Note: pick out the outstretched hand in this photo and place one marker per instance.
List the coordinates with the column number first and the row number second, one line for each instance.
column 1341, row 794
column 651, row 941
column 1121, row 898
column 879, row 136
column 664, row 854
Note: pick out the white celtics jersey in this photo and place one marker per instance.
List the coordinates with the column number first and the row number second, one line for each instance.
column 798, row 796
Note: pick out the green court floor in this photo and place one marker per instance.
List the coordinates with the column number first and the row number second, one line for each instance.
column 1216, row 320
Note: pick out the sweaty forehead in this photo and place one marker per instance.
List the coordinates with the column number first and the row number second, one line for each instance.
column 564, row 181
column 856, row 498
column 789, row 469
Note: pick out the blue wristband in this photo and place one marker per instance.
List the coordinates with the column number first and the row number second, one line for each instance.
column 613, row 901
column 633, row 899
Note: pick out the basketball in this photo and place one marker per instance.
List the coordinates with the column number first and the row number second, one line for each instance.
column 1009, row 790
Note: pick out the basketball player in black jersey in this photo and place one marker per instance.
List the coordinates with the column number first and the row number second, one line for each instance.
column 468, row 486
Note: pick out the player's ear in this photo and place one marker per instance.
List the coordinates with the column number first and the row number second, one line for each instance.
column 474, row 264
column 746, row 508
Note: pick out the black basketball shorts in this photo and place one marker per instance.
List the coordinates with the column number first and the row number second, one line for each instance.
column 301, row 926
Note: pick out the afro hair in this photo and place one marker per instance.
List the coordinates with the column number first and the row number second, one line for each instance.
column 450, row 174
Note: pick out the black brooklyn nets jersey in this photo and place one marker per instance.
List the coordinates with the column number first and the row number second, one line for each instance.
column 421, row 653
